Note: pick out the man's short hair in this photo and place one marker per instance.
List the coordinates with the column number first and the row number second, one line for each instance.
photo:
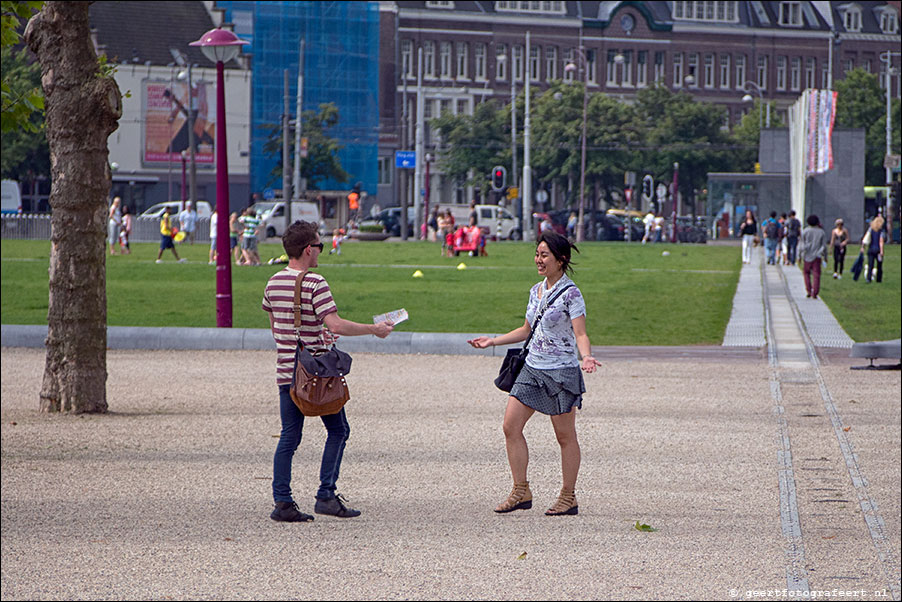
column 298, row 237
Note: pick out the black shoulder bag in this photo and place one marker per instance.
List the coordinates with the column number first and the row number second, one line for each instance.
column 516, row 358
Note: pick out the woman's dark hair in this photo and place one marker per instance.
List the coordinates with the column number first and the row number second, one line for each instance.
column 298, row 237
column 813, row 220
column 560, row 247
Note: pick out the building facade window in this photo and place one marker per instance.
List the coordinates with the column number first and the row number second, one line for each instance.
column 463, row 106
column 791, row 14
column 568, row 60
column 781, row 72
column 463, row 56
column 501, row 60
column 626, row 78
column 740, row 71
column 611, row 69
column 445, row 4
column 407, row 59
column 677, row 69
column 659, row 67
column 761, row 75
column 725, row 71
column 535, row 67
column 889, row 20
column 592, row 66
column 384, row 171
column 518, row 63
column 852, row 18
column 550, row 63
column 694, row 72
column 445, row 60
column 795, row 74
column 848, row 65
column 479, row 63
column 554, row 7
column 709, row 70
column 810, row 73
column 705, row 10
column 642, row 68
column 429, row 59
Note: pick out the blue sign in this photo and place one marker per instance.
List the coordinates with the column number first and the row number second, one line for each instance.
column 269, row 194
column 405, row 159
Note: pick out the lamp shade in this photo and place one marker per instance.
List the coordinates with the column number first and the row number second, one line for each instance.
column 219, row 45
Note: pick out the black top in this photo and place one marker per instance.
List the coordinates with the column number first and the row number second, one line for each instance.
column 749, row 228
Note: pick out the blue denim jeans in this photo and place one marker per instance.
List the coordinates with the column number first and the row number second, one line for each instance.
column 338, row 432
column 770, row 247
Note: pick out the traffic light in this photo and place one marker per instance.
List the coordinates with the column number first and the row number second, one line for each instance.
column 499, row 177
column 648, row 184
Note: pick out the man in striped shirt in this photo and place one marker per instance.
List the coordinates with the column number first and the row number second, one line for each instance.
column 303, row 247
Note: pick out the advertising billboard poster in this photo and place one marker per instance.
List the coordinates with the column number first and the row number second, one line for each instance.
column 166, row 122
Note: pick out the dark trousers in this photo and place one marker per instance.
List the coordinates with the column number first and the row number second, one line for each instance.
column 874, row 263
column 337, row 430
column 812, row 272
column 839, row 257
column 792, row 245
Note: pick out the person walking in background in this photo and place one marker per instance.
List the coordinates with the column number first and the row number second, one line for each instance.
column 166, row 236
column 649, row 221
column 872, row 244
column 793, row 231
column 748, row 230
column 188, row 222
column 128, row 223
column 303, row 246
column 249, row 238
column 235, row 228
column 214, row 219
column 814, row 254
column 782, row 249
column 550, row 381
column 771, row 230
column 115, row 224
column 839, row 238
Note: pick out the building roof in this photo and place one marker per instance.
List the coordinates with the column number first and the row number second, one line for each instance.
column 143, row 32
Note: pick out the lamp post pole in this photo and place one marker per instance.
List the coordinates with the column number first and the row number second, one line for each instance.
column 748, row 98
column 526, row 181
column 887, row 57
column 221, row 46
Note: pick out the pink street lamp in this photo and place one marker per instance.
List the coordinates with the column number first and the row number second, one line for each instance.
column 221, row 46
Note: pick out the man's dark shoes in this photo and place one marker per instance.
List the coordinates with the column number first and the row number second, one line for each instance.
column 335, row 507
column 287, row 512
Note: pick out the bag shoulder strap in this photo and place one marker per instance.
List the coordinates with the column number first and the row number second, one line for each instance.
column 297, row 305
column 542, row 313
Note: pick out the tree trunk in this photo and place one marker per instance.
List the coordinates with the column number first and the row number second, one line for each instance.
column 82, row 109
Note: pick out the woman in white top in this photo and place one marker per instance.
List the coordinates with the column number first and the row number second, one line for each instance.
column 551, row 381
column 115, row 224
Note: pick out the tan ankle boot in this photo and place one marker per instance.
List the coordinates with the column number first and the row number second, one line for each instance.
column 519, row 499
column 565, row 504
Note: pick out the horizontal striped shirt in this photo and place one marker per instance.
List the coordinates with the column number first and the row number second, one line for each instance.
column 316, row 304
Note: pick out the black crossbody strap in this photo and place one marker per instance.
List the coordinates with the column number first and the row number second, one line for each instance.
column 542, row 313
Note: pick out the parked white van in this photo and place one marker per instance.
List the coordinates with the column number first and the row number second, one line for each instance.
column 156, row 211
column 495, row 219
column 274, row 222
column 12, row 197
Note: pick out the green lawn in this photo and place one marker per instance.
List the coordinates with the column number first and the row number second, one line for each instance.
column 634, row 294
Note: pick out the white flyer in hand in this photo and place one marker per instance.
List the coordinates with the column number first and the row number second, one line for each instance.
column 395, row 317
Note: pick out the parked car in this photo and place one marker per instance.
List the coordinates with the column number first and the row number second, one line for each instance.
column 156, row 211
column 390, row 220
column 495, row 220
column 274, row 222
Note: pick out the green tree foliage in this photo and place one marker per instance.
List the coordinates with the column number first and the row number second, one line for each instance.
column 745, row 136
column 861, row 103
column 20, row 97
column 472, row 144
column 25, row 149
column 322, row 162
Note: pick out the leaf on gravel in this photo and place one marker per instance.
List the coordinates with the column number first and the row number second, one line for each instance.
column 644, row 528
column 522, row 556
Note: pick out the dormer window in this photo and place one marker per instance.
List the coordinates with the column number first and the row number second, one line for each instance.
column 555, row 7
column 791, row 14
column 889, row 20
column 446, row 4
column 699, row 10
column 851, row 17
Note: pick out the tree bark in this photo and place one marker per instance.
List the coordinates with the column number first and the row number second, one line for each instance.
column 82, row 108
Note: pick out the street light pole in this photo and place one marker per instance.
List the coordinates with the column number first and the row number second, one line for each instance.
column 748, row 98
column 526, row 181
column 887, row 57
column 580, row 220
column 221, row 46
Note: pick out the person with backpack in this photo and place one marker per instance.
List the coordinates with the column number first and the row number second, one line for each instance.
column 793, row 232
column 772, row 233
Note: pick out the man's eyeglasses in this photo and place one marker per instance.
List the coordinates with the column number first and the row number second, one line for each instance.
column 318, row 245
